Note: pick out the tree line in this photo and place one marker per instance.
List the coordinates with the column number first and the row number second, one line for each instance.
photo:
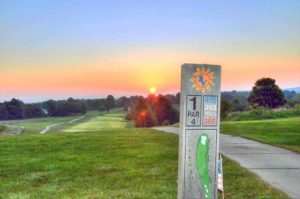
column 16, row 109
column 153, row 110
column 264, row 94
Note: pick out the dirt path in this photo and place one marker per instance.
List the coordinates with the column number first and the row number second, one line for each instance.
column 279, row 167
column 45, row 130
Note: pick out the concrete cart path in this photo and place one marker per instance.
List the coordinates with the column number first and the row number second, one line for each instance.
column 279, row 167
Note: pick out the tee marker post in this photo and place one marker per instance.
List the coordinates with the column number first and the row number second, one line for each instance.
column 199, row 131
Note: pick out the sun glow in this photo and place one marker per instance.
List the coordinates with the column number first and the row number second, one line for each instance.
column 152, row 90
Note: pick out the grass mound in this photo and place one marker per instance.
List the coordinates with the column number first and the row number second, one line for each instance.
column 280, row 132
column 105, row 163
column 263, row 113
column 120, row 163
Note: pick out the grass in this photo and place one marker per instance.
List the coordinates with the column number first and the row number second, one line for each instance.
column 119, row 163
column 279, row 132
column 34, row 126
column 240, row 183
column 96, row 121
column 262, row 113
column 110, row 162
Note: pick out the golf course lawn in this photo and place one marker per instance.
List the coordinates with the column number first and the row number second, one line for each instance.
column 34, row 126
column 105, row 163
column 279, row 132
column 98, row 122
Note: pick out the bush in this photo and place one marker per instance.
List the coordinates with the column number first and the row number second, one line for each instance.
column 2, row 128
column 297, row 108
column 262, row 112
column 152, row 111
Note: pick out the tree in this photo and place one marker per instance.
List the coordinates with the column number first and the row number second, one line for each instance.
column 139, row 112
column 51, row 107
column 110, row 101
column 267, row 94
column 33, row 111
column 15, row 109
column 237, row 105
column 225, row 108
column 164, row 111
column 101, row 108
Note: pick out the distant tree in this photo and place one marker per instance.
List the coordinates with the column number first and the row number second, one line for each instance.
column 177, row 98
column 237, row 106
column 164, row 111
column 3, row 112
column 289, row 94
column 14, row 109
column 110, row 102
column 120, row 102
column 33, row 111
column 295, row 100
column 267, row 94
column 51, row 107
column 225, row 108
column 150, row 119
column 102, row 108
column 139, row 112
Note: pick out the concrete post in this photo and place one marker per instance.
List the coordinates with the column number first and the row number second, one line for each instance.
column 199, row 131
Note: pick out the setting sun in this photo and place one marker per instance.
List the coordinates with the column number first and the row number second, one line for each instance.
column 152, row 90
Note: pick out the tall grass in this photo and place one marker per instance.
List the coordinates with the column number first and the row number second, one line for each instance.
column 2, row 127
column 263, row 113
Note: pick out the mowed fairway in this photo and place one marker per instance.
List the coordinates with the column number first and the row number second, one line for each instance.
column 279, row 132
column 106, row 163
column 101, row 122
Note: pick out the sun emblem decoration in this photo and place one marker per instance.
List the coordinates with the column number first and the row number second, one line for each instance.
column 203, row 79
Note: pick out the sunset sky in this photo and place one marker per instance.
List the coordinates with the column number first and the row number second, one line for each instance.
column 83, row 49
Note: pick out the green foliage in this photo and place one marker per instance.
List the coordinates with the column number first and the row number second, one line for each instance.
column 2, row 127
column 102, row 108
column 225, row 108
column 280, row 132
column 69, row 107
column 238, row 99
column 152, row 111
column 267, row 94
column 263, row 113
column 110, row 100
column 240, row 184
column 237, row 106
column 297, row 108
column 294, row 100
column 14, row 109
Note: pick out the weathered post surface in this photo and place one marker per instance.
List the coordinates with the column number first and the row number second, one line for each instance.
column 199, row 131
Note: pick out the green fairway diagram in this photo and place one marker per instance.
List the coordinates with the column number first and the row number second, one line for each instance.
column 202, row 161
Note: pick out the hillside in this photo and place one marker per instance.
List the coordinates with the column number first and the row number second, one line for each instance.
column 103, row 156
column 279, row 132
